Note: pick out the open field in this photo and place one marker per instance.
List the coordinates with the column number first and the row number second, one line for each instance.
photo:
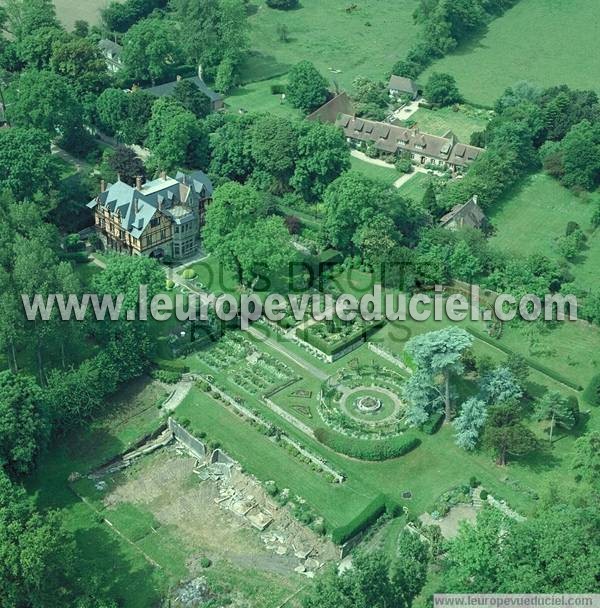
column 363, row 42
column 462, row 123
column 69, row 11
column 535, row 213
column 533, row 41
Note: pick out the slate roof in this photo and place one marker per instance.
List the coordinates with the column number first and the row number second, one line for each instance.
column 137, row 207
column 469, row 214
column 109, row 46
column 392, row 138
column 166, row 89
column 402, row 84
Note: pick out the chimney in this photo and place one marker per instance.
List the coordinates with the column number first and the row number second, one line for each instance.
column 163, row 175
column 200, row 71
column 102, row 185
column 178, row 77
column 138, row 182
column 136, row 205
column 476, row 199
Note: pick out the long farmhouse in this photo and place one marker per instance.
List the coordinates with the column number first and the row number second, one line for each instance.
column 446, row 151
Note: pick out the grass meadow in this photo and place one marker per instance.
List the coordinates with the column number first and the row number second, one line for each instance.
column 342, row 44
column 542, row 41
column 535, row 213
column 69, row 11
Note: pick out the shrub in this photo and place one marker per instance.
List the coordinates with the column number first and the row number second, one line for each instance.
column 366, row 449
column 403, row 165
column 168, row 377
column 170, row 284
column 433, row 424
column 271, row 488
column 474, row 482
column 284, row 5
column 189, row 273
column 277, row 89
column 483, row 495
column 205, row 562
column 592, row 392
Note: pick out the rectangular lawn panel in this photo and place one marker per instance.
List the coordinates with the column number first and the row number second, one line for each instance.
column 541, row 41
column 462, row 123
column 384, row 175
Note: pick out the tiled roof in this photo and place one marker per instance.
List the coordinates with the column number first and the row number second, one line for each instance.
column 166, row 89
column 392, row 138
column 400, row 83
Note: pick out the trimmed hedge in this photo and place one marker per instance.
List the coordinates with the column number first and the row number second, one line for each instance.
column 433, row 425
column 592, row 392
column 332, row 349
column 533, row 364
column 367, row 449
column 366, row 518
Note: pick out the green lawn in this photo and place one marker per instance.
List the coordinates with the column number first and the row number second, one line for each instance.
column 69, row 11
column 415, row 187
column 542, row 41
column 363, row 42
column 384, row 175
column 462, row 123
column 535, row 213
column 257, row 97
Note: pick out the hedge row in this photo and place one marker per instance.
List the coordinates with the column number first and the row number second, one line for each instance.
column 534, row 364
column 592, row 392
column 332, row 349
column 432, row 426
column 367, row 449
column 366, row 518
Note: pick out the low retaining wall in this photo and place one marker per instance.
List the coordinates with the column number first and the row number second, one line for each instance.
column 191, row 443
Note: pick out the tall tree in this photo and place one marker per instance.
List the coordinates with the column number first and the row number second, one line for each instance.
column 24, row 422
column 506, row 434
column 554, row 407
column 47, row 101
column 80, row 61
column 26, row 165
column 470, row 422
column 150, row 49
column 307, row 88
column 37, row 553
column 176, row 138
column 322, row 157
column 500, row 386
column 586, row 462
column 275, row 149
column 438, row 354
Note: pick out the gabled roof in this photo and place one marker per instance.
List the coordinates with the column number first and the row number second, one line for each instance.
column 469, row 214
column 340, row 104
column 109, row 46
column 136, row 208
column 405, row 85
column 393, row 138
column 166, row 89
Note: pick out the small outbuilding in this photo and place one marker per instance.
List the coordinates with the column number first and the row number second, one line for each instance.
column 399, row 85
column 468, row 215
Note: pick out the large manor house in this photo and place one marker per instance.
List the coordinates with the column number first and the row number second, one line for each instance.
column 160, row 218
